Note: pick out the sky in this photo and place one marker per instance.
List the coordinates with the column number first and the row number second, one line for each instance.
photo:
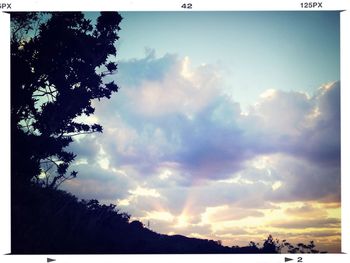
column 226, row 126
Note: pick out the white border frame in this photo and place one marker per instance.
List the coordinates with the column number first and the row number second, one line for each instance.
column 170, row 5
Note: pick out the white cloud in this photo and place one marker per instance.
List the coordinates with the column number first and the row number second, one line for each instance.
column 158, row 215
column 142, row 191
column 182, row 90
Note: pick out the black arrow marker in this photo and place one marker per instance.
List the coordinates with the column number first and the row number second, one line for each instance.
column 287, row 259
column 50, row 260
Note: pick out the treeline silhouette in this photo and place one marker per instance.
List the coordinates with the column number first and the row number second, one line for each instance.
column 50, row 221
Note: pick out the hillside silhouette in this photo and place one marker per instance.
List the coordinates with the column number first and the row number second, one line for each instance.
column 50, row 221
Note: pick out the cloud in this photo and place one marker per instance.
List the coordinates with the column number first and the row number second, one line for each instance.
column 86, row 148
column 233, row 232
column 304, row 180
column 281, row 113
column 176, row 93
column 325, row 234
column 175, row 149
column 212, row 140
column 305, row 211
column 308, row 223
column 93, row 182
column 228, row 213
column 322, row 140
column 182, row 117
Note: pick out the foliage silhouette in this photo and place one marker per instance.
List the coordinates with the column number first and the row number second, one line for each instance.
column 58, row 61
column 272, row 245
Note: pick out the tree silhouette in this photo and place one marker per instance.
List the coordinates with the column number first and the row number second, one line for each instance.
column 58, row 61
column 272, row 245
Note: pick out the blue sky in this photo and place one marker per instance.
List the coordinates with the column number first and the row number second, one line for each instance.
column 226, row 126
column 283, row 50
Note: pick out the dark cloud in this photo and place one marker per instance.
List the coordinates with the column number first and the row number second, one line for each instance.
column 321, row 142
column 306, row 210
column 326, row 234
column 86, row 148
column 309, row 223
column 303, row 180
column 211, row 148
column 96, row 183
